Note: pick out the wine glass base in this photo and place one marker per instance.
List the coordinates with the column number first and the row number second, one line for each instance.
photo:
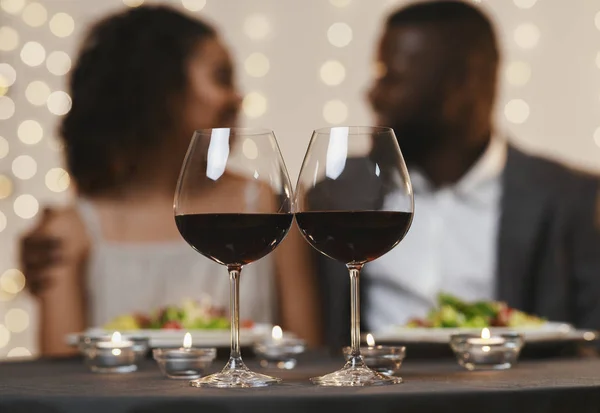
column 235, row 378
column 351, row 376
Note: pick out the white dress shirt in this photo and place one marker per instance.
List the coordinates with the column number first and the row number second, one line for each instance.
column 451, row 245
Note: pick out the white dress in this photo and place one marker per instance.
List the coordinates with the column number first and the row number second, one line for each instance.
column 124, row 278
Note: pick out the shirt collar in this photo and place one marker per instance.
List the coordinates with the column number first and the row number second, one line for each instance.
column 488, row 168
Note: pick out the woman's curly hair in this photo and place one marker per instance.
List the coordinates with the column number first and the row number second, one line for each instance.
column 124, row 88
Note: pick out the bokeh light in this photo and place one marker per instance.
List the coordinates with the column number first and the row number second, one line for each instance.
column 9, row 39
column 527, row 35
column 257, row 26
column 62, row 25
column 30, row 132
column 516, row 111
column 332, row 73
column 340, row 3
column 58, row 63
column 19, row 352
column 525, row 4
column 57, row 180
column 518, row 73
column 4, row 336
column 34, row 15
column 597, row 20
column 4, row 147
column 194, row 5
column 257, row 65
column 335, row 112
column 597, row 136
column 249, row 149
column 16, row 320
column 254, row 105
column 59, row 102
column 3, row 222
column 6, row 187
column 26, row 206
column 33, row 54
column 339, row 34
column 133, row 3
column 8, row 75
column 24, row 167
column 7, row 107
column 12, row 281
column 37, row 93
column 12, row 6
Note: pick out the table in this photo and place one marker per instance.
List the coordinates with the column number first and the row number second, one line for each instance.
column 65, row 386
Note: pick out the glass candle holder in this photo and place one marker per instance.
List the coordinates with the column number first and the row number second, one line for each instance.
column 383, row 359
column 475, row 352
column 141, row 344
column 184, row 363
column 279, row 353
column 110, row 356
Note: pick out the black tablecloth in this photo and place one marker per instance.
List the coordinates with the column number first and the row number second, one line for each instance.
column 533, row 386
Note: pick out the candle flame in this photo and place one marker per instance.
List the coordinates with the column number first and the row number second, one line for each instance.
column 116, row 351
column 187, row 340
column 116, row 337
column 277, row 333
column 370, row 340
column 485, row 333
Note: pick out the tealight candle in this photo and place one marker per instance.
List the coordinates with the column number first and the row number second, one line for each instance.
column 486, row 352
column 111, row 356
column 185, row 362
column 280, row 350
column 384, row 359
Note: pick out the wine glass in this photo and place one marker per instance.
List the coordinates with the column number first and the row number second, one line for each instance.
column 354, row 203
column 234, row 207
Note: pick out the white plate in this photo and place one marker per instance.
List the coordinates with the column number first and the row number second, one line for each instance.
column 547, row 332
column 174, row 338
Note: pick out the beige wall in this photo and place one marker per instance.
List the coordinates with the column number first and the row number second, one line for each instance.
column 562, row 93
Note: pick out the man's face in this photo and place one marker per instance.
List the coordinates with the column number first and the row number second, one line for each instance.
column 409, row 91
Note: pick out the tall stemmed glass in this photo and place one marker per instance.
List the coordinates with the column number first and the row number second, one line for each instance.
column 353, row 205
column 234, row 208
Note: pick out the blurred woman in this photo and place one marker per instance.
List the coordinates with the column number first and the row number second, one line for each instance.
column 144, row 81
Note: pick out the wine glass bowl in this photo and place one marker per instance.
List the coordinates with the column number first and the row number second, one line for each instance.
column 354, row 203
column 233, row 204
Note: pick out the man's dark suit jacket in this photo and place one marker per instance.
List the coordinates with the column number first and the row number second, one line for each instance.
column 548, row 243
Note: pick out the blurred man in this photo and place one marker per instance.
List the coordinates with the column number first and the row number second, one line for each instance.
column 490, row 221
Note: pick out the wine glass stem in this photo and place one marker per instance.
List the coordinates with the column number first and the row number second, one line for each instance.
column 234, row 311
column 354, row 270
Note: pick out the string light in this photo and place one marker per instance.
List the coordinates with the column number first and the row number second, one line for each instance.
column 254, row 105
column 339, row 34
column 37, row 93
column 35, row 15
column 597, row 137
column 133, row 3
column 57, row 180
column 33, row 54
column 16, row 320
column 249, row 149
column 4, row 147
column 18, row 352
column 3, row 222
column 256, row 26
column 335, row 112
column 59, row 103
column 9, row 39
column 12, row 6
column 58, row 63
column 6, row 187
column 525, row 4
column 332, row 73
column 257, row 65
column 516, row 111
column 12, row 281
column 194, row 5
column 62, row 25
column 24, row 167
column 7, row 107
column 30, row 132
column 527, row 35
column 4, row 336
column 518, row 73
column 8, row 75
column 26, row 206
